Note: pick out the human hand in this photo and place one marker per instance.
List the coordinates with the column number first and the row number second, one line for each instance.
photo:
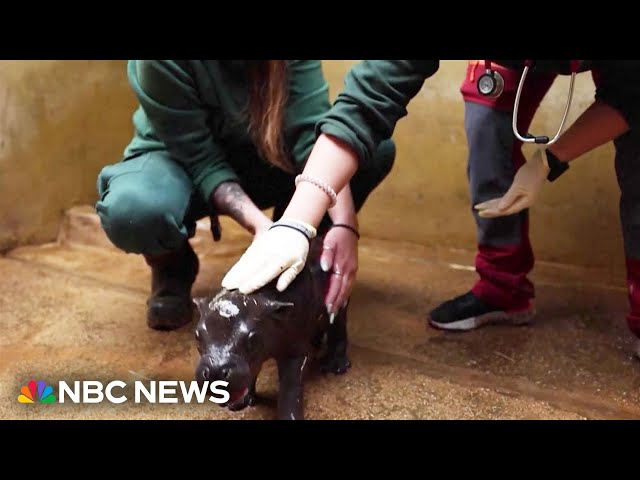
column 523, row 192
column 280, row 252
column 340, row 257
column 261, row 227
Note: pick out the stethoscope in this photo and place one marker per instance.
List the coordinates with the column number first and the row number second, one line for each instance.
column 491, row 84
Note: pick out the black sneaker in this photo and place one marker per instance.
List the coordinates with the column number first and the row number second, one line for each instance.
column 468, row 312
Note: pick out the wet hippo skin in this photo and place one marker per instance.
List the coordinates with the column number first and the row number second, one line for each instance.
column 237, row 333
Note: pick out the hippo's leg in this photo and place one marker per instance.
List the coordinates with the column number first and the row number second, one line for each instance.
column 248, row 401
column 316, row 342
column 336, row 359
column 290, row 394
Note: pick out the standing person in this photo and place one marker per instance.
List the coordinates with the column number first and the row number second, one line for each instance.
column 222, row 137
column 503, row 293
column 614, row 116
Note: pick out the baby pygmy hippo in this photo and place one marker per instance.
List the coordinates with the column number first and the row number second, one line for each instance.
column 237, row 333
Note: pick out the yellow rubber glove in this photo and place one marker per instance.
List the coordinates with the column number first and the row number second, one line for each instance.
column 523, row 192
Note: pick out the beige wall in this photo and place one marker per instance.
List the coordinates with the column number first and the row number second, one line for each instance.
column 61, row 121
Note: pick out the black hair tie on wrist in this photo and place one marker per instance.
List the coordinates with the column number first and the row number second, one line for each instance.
column 292, row 228
column 348, row 227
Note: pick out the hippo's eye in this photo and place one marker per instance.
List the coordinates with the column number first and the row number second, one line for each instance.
column 254, row 342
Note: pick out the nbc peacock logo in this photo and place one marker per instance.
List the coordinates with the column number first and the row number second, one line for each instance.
column 36, row 392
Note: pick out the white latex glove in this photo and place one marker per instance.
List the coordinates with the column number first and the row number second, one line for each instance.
column 523, row 192
column 281, row 251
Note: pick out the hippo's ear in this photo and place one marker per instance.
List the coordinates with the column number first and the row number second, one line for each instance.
column 278, row 306
column 200, row 303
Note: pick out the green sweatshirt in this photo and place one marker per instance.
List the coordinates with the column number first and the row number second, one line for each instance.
column 193, row 109
column 374, row 98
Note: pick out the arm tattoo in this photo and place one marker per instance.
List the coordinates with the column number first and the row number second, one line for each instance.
column 230, row 199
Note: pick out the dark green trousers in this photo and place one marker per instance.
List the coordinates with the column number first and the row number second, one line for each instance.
column 148, row 204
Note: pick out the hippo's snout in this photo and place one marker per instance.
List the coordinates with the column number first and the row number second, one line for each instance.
column 212, row 372
column 232, row 369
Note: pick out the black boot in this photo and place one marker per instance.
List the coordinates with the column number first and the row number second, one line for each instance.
column 172, row 276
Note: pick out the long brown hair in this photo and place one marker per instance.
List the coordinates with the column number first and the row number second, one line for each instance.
column 268, row 93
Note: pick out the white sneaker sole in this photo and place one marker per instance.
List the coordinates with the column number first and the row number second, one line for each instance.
column 523, row 317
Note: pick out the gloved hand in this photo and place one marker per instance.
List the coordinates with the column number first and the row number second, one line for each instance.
column 523, row 192
column 281, row 251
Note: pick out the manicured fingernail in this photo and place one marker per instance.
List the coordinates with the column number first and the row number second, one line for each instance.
column 329, row 307
column 332, row 318
column 324, row 265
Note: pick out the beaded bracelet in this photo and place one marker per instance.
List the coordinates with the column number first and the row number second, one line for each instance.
column 321, row 185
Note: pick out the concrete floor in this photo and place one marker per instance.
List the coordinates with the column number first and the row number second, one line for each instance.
column 75, row 310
